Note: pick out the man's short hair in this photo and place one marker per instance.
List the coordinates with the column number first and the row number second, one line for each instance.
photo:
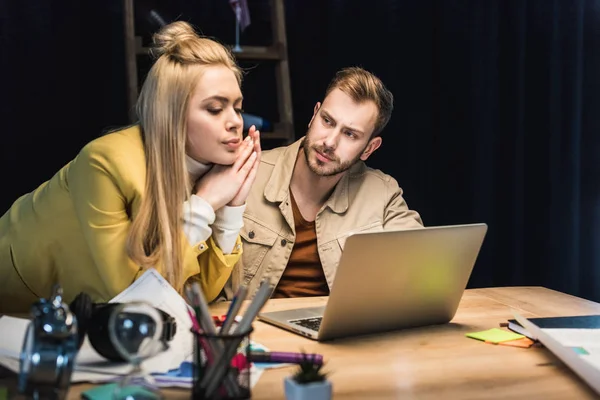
column 361, row 86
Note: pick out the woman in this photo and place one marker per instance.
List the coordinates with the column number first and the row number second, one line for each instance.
column 168, row 192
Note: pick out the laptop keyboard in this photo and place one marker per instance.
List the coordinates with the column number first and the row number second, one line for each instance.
column 310, row 323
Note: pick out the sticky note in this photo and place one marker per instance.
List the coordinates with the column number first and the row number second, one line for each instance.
column 495, row 335
column 257, row 347
column 580, row 350
column 523, row 342
column 104, row 392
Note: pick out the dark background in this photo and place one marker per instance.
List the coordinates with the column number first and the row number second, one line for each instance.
column 497, row 111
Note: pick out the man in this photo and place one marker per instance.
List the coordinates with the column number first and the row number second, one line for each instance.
column 309, row 196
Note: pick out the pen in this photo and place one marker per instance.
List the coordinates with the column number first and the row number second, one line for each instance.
column 208, row 327
column 219, row 319
column 194, row 303
column 234, row 307
column 202, row 311
column 195, row 325
column 284, row 357
column 212, row 377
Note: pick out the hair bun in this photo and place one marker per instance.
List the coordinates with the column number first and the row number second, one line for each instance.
column 171, row 36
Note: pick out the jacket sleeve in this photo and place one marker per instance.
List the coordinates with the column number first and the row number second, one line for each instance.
column 101, row 209
column 397, row 215
column 102, row 193
column 217, row 250
column 216, row 267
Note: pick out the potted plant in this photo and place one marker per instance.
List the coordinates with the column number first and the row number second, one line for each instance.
column 309, row 382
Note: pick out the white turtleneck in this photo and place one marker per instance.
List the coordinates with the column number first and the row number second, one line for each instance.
column 198, row 215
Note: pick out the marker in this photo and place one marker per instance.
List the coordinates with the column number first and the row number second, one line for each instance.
column 285, row 357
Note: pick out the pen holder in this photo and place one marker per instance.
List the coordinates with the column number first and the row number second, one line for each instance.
column 221, row 366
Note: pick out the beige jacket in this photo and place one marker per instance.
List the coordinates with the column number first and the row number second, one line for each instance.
column 365, row 199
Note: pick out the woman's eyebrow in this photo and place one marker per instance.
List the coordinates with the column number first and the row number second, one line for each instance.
column 222, row 99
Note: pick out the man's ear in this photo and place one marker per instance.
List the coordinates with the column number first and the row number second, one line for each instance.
column 315, row 110
column 371, row 147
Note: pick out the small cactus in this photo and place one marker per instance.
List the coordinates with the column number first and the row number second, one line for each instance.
column 309, row 371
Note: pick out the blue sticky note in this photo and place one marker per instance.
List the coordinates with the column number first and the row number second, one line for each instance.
column 107, row 391
column 580, row 350
column 185, row 370
column 260, row 348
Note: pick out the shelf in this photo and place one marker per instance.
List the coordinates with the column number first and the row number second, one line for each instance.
column 281, row 131
column 247, row 53
column 259, row 53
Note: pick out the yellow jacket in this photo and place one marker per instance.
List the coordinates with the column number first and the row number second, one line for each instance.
column 73, row 229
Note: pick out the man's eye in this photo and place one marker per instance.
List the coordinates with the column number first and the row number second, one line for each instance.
column 350, row 134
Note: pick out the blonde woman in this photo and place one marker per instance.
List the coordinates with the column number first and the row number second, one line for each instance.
column 168, row 192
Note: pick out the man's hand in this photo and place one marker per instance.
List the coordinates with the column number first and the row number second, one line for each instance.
column 242, row 194
column 223, row 182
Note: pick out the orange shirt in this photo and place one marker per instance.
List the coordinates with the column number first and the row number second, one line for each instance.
column 303, row 276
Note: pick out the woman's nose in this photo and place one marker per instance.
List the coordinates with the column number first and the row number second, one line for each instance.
column 234, row 121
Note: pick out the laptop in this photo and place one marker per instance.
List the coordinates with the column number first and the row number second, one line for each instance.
column 391, row 280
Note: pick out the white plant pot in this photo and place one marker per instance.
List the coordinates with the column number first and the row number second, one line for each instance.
column 309, row 391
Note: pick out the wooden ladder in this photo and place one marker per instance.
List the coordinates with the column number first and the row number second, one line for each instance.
column 283, row 130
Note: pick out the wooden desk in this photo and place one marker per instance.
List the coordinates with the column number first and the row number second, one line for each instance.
column 433, row 362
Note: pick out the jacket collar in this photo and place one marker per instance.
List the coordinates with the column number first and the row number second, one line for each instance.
column 278, row 186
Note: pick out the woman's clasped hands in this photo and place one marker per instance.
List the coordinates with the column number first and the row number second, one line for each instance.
column 230, row 184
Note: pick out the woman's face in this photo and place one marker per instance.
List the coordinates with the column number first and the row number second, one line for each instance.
column 214, row 120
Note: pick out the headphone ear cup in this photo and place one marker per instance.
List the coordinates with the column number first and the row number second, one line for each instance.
column 98, row 332
column 99, row 337
column 82, row 307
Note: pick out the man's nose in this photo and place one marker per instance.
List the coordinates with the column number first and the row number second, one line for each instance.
column 331, row 140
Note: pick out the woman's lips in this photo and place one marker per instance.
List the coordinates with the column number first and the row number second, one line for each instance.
column 233, row 143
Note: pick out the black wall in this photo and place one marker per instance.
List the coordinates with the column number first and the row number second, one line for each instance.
column 496, row 116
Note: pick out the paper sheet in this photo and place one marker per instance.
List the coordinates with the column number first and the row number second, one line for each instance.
column 91, row 367
column 182, row 376
column 152, row 288
column 585, row 342
column 12, row 332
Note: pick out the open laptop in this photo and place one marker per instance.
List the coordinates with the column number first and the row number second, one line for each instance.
column 391, row 280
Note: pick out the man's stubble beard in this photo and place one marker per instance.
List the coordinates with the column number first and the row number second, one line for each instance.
column 337, row 169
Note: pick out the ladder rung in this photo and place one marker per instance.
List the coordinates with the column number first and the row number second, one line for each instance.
column 247, row 53
column 259, row 53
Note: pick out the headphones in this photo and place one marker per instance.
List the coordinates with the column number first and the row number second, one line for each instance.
column 93, row 319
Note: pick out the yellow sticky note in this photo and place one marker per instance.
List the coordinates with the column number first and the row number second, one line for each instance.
column 495, row 335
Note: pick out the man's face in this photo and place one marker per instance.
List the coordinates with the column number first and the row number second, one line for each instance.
column 339, row 134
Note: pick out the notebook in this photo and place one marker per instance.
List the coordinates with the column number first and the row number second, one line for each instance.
column 570, row 322
column 577, row 347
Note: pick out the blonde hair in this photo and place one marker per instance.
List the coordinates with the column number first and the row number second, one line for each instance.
column 362, row 86
column 156, row 232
